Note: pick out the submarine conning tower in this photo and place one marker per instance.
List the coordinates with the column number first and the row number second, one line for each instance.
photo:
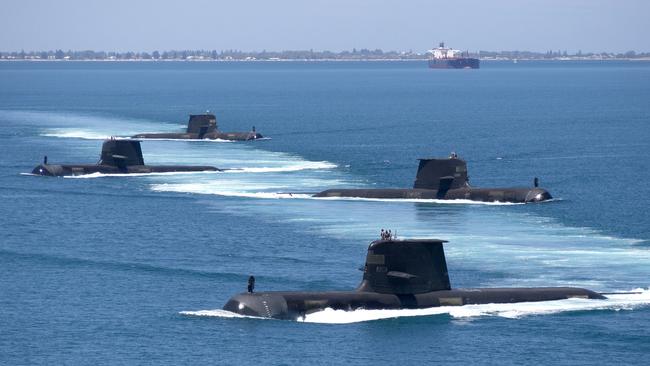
column 121, row 153
column 441, row 174
column 202, row 124
column 404, row 267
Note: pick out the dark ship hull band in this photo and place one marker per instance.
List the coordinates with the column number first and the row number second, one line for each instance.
column 294, row 305
column 513, row 195
column 230, row 136
column 73, row 170
column 457, row 63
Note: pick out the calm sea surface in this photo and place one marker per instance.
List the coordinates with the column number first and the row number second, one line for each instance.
column 134, row 270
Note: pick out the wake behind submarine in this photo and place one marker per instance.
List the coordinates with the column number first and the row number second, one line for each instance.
column 203, row 126
column 117, row 157
column 446, row 179
column 398, row 274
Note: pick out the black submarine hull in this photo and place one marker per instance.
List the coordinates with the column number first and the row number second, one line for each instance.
column 295, row 305
column 55, row 170
column 117, row 157
column 230, row 136
column 203, row 127
column 513, row 195
column 398, row 274
column 445, row 179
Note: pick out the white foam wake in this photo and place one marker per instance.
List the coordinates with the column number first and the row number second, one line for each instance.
column 265, row 195
column 99, row 135
column 184, row 140
column 194, row 140
column 74, row 133
column 86, row 126
column 212, row 189
column 294, row 167
column 217, row 313
column 418, row 200
column 511, row 311
column 104, row 175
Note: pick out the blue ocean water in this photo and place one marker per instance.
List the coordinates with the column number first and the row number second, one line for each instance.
column 133, row 270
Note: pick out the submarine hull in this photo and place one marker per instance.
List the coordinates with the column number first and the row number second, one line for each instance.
column 117, row 157
column 230, row 136
column 513, row 195
column 295, row 305
column 203, row 127
column 238, row 136
column 398, row 274
column 54, row 170
column 446, row 179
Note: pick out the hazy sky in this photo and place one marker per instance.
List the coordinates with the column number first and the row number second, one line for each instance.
column 121, row 25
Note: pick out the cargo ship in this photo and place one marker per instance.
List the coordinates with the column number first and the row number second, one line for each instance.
column 448, row 58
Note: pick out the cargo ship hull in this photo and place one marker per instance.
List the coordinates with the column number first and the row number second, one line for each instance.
column 455, row 63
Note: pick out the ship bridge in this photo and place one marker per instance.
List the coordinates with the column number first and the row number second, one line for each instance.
column 443, row 52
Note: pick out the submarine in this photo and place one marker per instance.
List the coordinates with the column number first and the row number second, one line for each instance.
column 398, row 274
column 117, row 157
column 446, row 179
column 203, row 126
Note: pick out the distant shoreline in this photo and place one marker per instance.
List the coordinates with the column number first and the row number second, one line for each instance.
column 357, row 55
column 318, row 60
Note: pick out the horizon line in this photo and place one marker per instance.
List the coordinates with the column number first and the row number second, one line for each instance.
column 353, row 50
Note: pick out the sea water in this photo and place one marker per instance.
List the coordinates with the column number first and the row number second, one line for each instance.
column 135, row 269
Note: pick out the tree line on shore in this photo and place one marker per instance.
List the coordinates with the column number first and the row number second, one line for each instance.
column 354, row 54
